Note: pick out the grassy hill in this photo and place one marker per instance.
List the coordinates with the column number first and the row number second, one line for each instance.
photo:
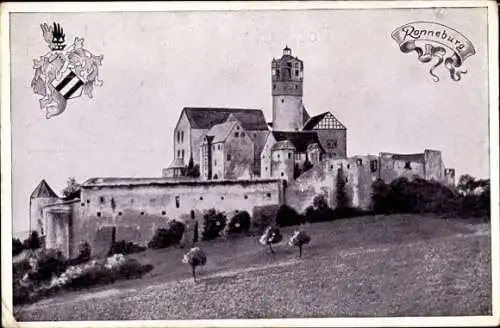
column 398, row 265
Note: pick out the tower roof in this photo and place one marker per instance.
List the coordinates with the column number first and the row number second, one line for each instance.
column 206, row 117
column 43, row 190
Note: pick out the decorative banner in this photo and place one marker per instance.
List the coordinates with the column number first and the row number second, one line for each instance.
column 63, row 73
column 439, row 41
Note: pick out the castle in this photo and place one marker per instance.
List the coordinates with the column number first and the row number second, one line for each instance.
column 236, row 161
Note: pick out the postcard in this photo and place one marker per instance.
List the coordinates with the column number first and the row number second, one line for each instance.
column 250, row 164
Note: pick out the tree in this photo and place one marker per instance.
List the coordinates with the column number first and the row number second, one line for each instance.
column 299, row 239
column 33, row 241
column 466, row 184
column 195, row 257
column 195, row 233
column 17, row 246
column 192, row 170
column 72, row 189
column 271, row 236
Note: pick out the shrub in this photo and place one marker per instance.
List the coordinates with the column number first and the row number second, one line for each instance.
column 287, row 216
column 239, row 223
column 46, row 264
column 20, row 268
column 165, row 237
column 124, row 247
column 33, row 241
column 272, row 235
column 17, row 247
column 195, row 257
column 213, row 224
column 263, row 216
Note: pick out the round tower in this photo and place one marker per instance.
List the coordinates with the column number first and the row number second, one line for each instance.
column 287, row 80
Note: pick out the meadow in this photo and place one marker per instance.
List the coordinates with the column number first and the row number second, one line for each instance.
column 370, row 266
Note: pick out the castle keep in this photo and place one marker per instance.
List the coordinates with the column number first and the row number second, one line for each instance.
column 232, row 160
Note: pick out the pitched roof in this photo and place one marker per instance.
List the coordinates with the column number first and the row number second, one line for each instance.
column 284, row 144
column 221, row 131
column 305, row 115
column 311, row 123
column 43, row 190
column 300, row 140
column 206, row 117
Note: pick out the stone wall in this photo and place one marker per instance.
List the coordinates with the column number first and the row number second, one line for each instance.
column 138, row 210
column 434, row 167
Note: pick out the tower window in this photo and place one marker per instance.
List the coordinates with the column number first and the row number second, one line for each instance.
column 178, row 153
column 101, row 200
column 183, row 154
column 218, row 147
column 163, row 213
column 99, row 214
column 278, row 73
column 177, row 201
column 282, row 174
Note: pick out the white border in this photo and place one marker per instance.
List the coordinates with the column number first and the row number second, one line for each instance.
column 6, row 223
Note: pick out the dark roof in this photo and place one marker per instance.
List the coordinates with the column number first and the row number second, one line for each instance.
column 43, row 190
column 305, row 115
column 300, row 140
column 409, row 157
column 309, row 125
column 206, row 117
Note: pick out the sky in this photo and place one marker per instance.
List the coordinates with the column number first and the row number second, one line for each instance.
column 156, row 63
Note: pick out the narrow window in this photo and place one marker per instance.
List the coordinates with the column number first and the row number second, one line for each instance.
column 192, row 215
column 182, row 136
column 228, row 157
column 177, row 201
column 222, row 197
column 163, row 213
column 282, row 100
column 269, row 195
column 274, row 86
column 178, row 153
column 218, row 147
column 183, row 154
column 373, row 166
column 215, row 162
column 359, row 162
column 282, row 174
column 296, row 73
column 83, row 204
column 237, row 127
column 99, row 214
column 278, row 155
column 348, row 166
column 101, row 200
column 266, row 168
column 289, row 155
column 408, row 165
column 246, row 197
column 201, row 198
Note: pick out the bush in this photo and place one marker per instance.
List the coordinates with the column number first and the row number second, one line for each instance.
column 239, row 223
column 124, row 247
column 33, row 241
column 17, row 247
column 213, row 224
column 165, row 237
column 84, row 253
column 422, row 196
column 287, row 216
column 20, row 268
column 46, row 264
column 264, row 216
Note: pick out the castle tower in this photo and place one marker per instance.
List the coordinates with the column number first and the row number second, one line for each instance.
column 42, row 196
column 287, row 80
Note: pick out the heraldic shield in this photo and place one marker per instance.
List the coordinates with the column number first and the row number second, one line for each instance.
column 65, row 72
column 69, row 85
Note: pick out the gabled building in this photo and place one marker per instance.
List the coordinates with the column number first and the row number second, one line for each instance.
column 227, row 152
column 332, row 134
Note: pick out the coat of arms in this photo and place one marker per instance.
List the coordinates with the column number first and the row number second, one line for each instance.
column 64, row 72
